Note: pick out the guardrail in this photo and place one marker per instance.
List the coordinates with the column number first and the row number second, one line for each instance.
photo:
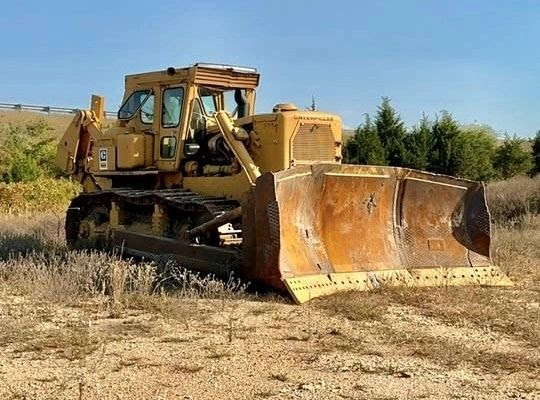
column 47, row 109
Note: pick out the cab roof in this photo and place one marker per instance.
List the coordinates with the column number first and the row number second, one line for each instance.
column 204, row 74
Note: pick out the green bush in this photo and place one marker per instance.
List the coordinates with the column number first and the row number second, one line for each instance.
column 512, row 159
column 474, row 150
column 442, row 155
column 28, row 152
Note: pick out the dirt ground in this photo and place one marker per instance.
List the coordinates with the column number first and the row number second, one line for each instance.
column 445, row 343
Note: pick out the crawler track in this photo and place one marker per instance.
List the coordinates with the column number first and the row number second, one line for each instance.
column 183, row 210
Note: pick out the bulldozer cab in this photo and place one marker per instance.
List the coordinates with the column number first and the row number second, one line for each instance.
column 174, row 108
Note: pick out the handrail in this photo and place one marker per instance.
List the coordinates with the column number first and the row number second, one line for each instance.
column 47, row 109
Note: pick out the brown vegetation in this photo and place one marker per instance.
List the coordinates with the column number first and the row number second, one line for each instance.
column 90, row 325
column 515, row 201
column 58, row 122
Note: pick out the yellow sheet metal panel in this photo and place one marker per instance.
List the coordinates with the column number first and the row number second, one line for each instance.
column 290, row 138
column 148, row 150
column 226, row 78
column 231, row 187
column 68, row 146
column 204, row 75
column 131, row 151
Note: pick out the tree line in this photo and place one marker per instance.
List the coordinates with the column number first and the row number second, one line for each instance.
column 441, row 145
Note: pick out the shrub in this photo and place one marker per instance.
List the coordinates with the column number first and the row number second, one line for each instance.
column 39, row 195
column 28, row 152
column 475, row 148
column 443, row 146
column 512, row 159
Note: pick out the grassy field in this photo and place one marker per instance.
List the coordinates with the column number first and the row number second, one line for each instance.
column 58, row 122
column 95, row 326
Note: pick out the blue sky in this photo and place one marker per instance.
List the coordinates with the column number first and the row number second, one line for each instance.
column 477, row 59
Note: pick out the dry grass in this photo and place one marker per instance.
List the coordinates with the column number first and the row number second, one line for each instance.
column 515, row 201
column 454, row 353
column 356, row 306
column 57, row 122
column 510, row 313
column 41, row 281
column 517, row 252
column 61, row 306
column 279, row 376
column 34, row 261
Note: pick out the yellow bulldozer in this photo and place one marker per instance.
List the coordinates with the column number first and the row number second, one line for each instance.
column 189, row 172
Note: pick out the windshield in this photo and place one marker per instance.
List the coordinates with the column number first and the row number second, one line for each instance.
column 133, row 103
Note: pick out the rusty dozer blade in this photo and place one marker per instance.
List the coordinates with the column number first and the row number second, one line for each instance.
column 322, row 228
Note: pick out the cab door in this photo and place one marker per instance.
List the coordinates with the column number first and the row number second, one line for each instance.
column 172, row 104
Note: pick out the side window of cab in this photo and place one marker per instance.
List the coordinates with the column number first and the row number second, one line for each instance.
column 147, row 111
column 172, row 107
column 208, row 99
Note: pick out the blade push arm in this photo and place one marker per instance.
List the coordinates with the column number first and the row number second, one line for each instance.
column 235, row 137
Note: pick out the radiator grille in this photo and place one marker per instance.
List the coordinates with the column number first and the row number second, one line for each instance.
column 314, row 142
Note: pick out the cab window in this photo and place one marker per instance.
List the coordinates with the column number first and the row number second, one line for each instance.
column 198, row 120
column 172, row 107
column 133, row 103
column 168, row 147
column 208, row 99
column 147, row 110
column 230, row 104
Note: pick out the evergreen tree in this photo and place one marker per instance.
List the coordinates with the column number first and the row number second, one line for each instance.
column 391, row 132
column 536, row 153
column 418, row 145
column 512, row 159
column 444, row 133
column 313, row 105
column 473, row 152
column 365, row 146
